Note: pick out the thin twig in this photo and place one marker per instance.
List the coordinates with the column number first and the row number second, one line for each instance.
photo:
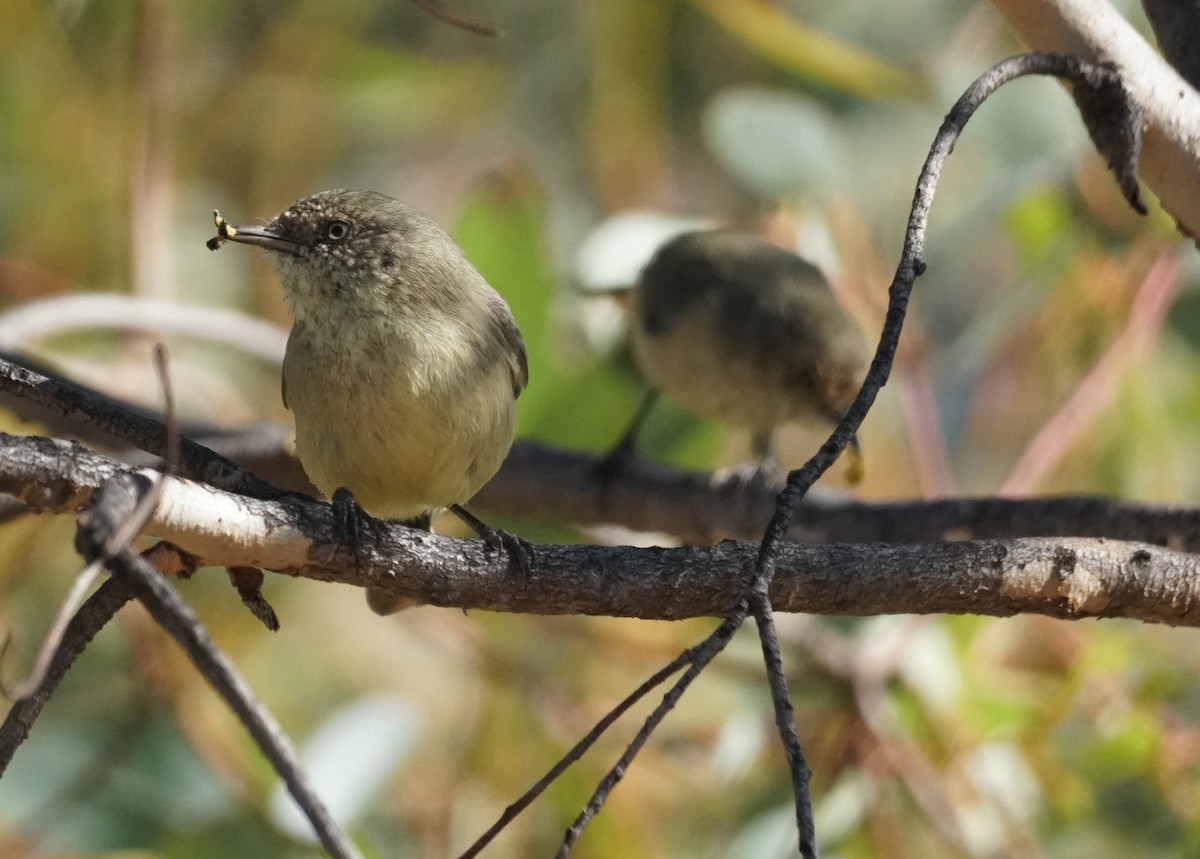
column 576, row 752
column 437, row 10
column 785, row 723
column 80, row 586
column 699, row 657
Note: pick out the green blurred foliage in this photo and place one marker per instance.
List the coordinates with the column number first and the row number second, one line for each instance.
column 123, row 124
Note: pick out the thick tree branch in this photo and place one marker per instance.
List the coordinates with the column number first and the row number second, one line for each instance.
column 1068, row 578
column 541, row 482
column 82, row 405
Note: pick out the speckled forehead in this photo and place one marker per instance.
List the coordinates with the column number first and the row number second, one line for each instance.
column 310, row 209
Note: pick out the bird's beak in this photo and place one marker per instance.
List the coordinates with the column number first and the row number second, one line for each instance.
column 263, row 237
column 268, row 238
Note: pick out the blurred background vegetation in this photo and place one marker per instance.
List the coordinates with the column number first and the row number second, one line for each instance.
column 1040, row 357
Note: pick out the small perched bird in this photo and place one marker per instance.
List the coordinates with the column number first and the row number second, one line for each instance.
column 734, row 328
column 403, row 366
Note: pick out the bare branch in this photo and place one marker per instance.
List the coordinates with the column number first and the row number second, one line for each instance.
column 997, row 577
column 699, row 656
column 785, row 721
column 576, row 752
column 146, row 433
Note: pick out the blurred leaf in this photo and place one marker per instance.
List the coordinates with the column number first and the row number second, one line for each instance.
column 348, row 759
column 1043, row 226
column 771, row 835
column 85, row 784
column 613, row 254
column 778, row 144
column 785, row 40
column 501, row 231
column 1184, row 317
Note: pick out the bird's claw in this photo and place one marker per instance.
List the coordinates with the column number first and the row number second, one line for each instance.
column 766, row 473
column 353, row 527
column 518, row 549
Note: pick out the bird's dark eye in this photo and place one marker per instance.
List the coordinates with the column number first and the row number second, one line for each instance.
column 337, row 230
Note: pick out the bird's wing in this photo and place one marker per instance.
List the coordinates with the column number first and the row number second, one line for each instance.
column 289, row 356
column 514, row 345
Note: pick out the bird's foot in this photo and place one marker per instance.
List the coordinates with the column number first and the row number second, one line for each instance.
column 353, row 527
column 518, row 549
column 249, row 581
column 749, row 476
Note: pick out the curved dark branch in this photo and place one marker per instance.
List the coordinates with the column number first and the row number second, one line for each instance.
column 1105, row 89
column 1114, row 125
